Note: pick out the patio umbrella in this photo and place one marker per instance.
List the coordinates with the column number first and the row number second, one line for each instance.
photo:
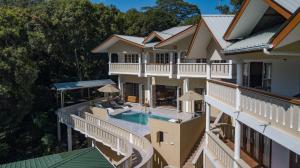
column 108, row 89
column 190, row 96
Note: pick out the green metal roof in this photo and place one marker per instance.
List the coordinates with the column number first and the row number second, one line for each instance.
column 83, row 158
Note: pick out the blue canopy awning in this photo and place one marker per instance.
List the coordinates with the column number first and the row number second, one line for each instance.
column 81, row 84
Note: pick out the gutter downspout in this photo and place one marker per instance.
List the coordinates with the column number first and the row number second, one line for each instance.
column 280, row 53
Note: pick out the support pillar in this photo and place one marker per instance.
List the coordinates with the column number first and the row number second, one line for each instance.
column 237, row 142
column 171, row 64
column 178, row 64
column 109, row 63
column 58, row 129
column 141, row 94
column 148, row 91
column 207, row 121
column 93, row 143
column 69, row 132
column 140, row 65
column 177, row 100
column 120, row 87
column 186, row 83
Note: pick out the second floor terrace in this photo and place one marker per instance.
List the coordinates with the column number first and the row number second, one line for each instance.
column 168, row 64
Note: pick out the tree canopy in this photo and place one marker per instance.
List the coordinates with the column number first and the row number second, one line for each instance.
column 231, row 8
column 48, row 41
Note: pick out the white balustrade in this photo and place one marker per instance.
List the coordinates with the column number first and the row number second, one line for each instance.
column 281, row 112
column 221, row 70
column 223, row 153
column 191, row 70
column 222, row 92
column 158, row 69
column 124, row 68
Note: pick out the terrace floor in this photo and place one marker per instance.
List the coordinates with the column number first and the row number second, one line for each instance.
column 143, row 130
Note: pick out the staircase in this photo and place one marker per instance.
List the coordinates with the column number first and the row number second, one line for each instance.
column 195, row 153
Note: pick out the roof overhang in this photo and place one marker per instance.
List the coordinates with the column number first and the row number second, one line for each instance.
column 289, row 33
column 103, row 47
column 246, row 19
column 151, row 36
column 81, row 84
column 177, row 37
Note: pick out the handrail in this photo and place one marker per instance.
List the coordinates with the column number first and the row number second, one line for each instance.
column 240, row 163
column 136, row 140
column 96, row 132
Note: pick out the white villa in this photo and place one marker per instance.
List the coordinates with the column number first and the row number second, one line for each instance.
column 246, row 70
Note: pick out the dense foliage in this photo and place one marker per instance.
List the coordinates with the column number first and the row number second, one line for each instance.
column 47, row 41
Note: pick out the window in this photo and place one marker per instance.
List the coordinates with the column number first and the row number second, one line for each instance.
column 131, row 58
column 294, row 160
column 267, row 76
column 162, row 58
column 160, row 136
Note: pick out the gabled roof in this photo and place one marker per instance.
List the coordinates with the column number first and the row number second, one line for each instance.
column 184, row 33
column 251, row 12
column 254, row 42
column 212, row 26
column 140, row 42
column 218, row 24
column 83, row 158
column 132, row 40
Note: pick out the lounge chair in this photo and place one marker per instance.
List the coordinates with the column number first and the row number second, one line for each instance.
column 115, row 105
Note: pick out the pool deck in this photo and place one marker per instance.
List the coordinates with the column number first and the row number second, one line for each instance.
column 143, row 130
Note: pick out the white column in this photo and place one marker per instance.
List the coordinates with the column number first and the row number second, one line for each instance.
column 58, row 130
column 230, row 68
column 120, row 86
column 93, row 143
column 178, row 95
column 118, row 146
column 140, row 65
column 186, row 83
column 208, row 70
column 145, row 63
column 69, row 132
column 171, row 64
column 237, row 142
column 148, row 91
column 109, row 62
column 207, row 120
column 141, row 94
column 178, row 64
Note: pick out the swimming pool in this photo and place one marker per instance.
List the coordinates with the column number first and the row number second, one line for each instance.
column 138, row 117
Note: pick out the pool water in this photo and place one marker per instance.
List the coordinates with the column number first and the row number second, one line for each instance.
column 138, row 117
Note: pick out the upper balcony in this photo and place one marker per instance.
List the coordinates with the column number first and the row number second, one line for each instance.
column 179, row 70
column 264, row 111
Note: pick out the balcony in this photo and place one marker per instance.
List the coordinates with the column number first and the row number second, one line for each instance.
column 160, row 70
column 191, row 70
column 218, row 154
column 271, row 110
column 222, row 70
column 125, row 68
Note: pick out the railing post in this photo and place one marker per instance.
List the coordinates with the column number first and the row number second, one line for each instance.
column 171, row 64
column 109, row 63
column 69, row 134
column 118, row 146
column 230, row 69
column 178, row 65
column 140, row 65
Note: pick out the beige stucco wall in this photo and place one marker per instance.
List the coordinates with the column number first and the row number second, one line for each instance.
column 179, row 140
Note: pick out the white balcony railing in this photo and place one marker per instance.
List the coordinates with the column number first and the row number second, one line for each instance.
column 191, row 70
column 281, row 112
column 222, row 153
column 221, row 70
column 125, row 68
column 159, row 69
